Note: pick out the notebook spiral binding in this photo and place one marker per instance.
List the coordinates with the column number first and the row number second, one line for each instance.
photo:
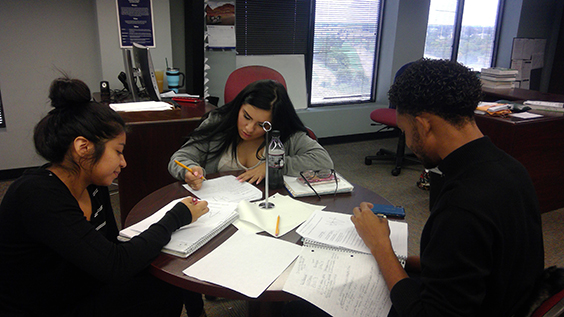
column 314, row 244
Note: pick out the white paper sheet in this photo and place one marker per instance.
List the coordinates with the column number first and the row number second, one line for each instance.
column 292, row 213
column 246, row 263
column 141, row 106
column 342, row 284
column 226, row 189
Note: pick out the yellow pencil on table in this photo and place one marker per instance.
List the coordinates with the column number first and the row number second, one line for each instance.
column 189, row 169
column 277, row 226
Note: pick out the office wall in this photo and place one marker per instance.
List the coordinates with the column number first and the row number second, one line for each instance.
column 42, row 38
column 81, row 38
column 38, row 39
column 111, row 53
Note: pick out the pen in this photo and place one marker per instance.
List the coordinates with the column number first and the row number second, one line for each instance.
column 194, row 200
column 277, row 226
column 189, row 169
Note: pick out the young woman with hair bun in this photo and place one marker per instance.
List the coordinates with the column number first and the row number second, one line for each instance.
column 58, row 235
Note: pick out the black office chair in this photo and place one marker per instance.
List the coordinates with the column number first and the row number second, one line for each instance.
column 387, row 117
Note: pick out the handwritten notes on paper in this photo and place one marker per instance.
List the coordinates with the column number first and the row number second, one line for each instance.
column 337, row 230
column 226, row 189
column 340, row 283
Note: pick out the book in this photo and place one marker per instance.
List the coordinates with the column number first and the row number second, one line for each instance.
column 187, row 239
column 335, row 270
column 298, row 189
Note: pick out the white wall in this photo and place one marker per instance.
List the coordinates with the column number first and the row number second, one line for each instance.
column 38, row 38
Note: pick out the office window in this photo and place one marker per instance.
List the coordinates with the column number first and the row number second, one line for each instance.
column 338, row 39
column 465, row 31
column 344, row 51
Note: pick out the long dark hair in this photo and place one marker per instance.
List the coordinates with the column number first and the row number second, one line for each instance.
column 74, row 115
column 263, row 94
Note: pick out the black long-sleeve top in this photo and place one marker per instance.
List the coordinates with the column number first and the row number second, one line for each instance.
column 52, row 256
column 481, row 248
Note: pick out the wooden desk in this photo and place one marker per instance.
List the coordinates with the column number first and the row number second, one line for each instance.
column 169, row 268
column 539, row 145
column 152, row 138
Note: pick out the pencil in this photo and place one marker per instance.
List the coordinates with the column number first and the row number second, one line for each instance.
column 189, row 169
column 277, row 226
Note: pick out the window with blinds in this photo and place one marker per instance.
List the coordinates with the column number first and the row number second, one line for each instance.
column 344, row 53
column 339, row 40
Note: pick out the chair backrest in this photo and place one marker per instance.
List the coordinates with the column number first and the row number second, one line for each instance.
column 399, row 72
column 241, row 77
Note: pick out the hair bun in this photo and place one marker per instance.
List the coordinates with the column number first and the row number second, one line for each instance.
column 66, row 92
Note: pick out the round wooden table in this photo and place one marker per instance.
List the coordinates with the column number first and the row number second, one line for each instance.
column 169, row 268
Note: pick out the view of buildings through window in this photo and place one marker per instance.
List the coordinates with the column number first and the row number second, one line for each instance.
column 477, row 31
column 344, row 51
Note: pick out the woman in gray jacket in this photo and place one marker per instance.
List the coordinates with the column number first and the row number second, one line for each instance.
column 231, row 138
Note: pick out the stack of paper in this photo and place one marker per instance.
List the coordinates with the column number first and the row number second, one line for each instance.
column 497, row 77
column 141, row 106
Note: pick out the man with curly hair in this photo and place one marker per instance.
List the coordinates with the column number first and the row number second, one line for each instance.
column 481, row 248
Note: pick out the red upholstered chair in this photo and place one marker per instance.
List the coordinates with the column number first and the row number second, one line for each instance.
column 387, row 117
column 241, row 77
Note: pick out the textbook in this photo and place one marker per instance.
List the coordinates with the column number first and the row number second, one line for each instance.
column 298, row 189
column 187, row 239
column 335, row 270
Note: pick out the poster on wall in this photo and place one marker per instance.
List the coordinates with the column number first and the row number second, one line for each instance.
column 2, row 120
column 135, row 23
column 220, row 24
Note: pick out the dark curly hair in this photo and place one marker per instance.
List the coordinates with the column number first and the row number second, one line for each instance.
column 440, row 87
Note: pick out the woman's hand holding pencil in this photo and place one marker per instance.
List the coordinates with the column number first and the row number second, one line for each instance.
column 194, row 176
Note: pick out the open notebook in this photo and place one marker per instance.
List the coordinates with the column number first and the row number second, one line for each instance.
column 187, row 239
column 335, row 270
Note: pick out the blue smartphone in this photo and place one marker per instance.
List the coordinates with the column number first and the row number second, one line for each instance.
column 389, row 210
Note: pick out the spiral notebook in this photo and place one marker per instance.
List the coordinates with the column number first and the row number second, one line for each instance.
column 187, row 239
column 335, row 270
column 334, row 230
